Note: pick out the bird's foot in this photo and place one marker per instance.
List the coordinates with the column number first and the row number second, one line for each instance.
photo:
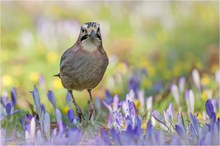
column 79, row 113
column 91, row 109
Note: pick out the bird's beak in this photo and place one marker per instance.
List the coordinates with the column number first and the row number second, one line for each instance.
column 92, row 35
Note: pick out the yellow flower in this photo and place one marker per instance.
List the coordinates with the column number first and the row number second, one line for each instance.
column 123, row 126
column 52, row 57
column 218, row 115
column 205, row 80
column 65, row 109
column 144, row 125
column 137, row 103
column 204, row 96
column 199, row 116
column 7, row 80
column 57, row 83
column 34, row 76
column 122, row 68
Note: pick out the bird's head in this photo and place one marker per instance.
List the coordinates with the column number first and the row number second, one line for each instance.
column 90, row 36
column 90, row 31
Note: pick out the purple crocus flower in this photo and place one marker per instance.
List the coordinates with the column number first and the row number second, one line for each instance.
column 168, row 113
column 119, row 121
column 108, row 99
column 61, row 127
column 74, row 136
column 8, row 108
column 132, row 111
column 51, row 97
column 192, row 131
column 190, row 99
column 13, row 96
column 58, row 115
column 180, row 131
column 70, row 115
column 150, row 134
column 175, row 141
column 36, row 98
column 158, row 116
column 195, row 123
column 105, row 137
column 22, row 123
column 181, row 120
column 128, row 137
column 209, row 108
column 47, row 125
column 27, row 122
column 43, row 108
column 115, row 103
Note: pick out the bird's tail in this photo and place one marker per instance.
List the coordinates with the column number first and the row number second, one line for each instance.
column 57, row 75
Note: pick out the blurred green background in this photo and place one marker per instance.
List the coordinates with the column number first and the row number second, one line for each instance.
column 155, row 41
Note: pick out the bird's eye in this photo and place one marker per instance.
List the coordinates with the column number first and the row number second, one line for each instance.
column 83, row 30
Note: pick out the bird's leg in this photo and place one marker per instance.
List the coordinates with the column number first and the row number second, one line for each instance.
column 78, row 109
column 91, row 105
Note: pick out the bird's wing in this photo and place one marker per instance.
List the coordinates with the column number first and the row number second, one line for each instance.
column 68, row 55
column 64, row 57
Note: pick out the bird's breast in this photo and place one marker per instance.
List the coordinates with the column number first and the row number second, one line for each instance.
column 87, row 71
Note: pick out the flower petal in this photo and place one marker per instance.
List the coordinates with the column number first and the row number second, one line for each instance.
column 43, row 108
column 196, row 78
column 75, row 136
column 149, row 103
column 8, row 108
column 36, row 97
column 32, row 129
column 180, row 131
column 181, row 82
column 158, row 116
column 70, row 115
column 108, row 99
column 195, row 122
column 13, row 96
column 175, row 91
column 209, row 108
column 52, row 99
column 58, row 115
column 47, row 125
column 115, row 103
column 192, row 130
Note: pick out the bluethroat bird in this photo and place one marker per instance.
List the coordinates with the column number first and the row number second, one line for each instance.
column 83, row 65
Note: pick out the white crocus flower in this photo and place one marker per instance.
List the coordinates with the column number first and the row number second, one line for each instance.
column 196, row 78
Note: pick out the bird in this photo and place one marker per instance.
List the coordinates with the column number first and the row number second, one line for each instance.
column 83, row 65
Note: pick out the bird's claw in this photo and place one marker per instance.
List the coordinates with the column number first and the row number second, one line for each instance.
column 91, row 109
column 79, row 113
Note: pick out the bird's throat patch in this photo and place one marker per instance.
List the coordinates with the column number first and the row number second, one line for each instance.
column 89, row 45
